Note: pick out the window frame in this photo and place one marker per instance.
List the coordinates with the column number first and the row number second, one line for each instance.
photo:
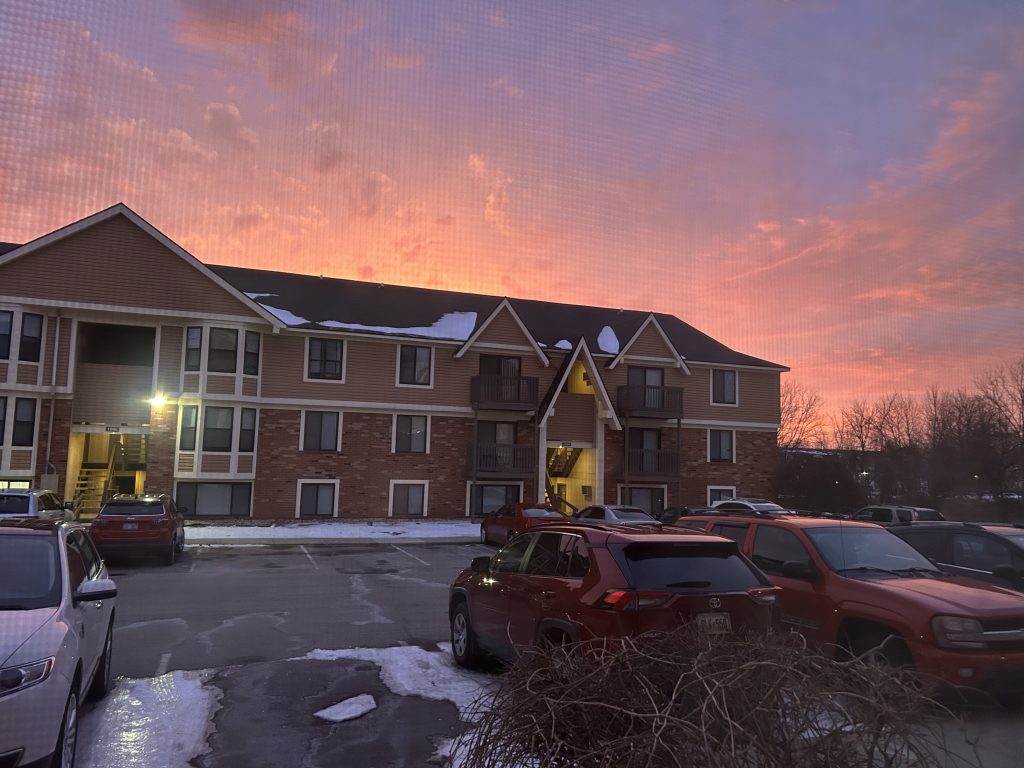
column 247, row 354
column 210, row 349
column 3, row 420
column 736, row 388
column 302, row 430
column 243, row 431
column 307, row 359
column 35, row 342
column 710, row 488
column 206, row 427
column 711, row 444
column 426, row 499
column 197, row 366
column 182, row 429
column 316, row 481
column 471, row 490
column 194, row 497
column 430, row 367
column 5, row 350
column 394, row 433
column 16, row 421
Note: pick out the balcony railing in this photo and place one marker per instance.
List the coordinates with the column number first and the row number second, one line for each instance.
column 502, row 460
column 650, row 402
column 653, row 463
column 509, row 393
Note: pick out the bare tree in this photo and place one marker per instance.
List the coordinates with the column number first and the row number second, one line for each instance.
column 855, row 429
column 801, row 423
column 1002, row 391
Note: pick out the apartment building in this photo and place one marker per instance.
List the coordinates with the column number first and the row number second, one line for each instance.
column 127, row 365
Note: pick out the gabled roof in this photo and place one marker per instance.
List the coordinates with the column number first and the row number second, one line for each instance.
column 5, row 247
column 651, row 321
column 120, row 209
column 507, row 307
column 580, row 352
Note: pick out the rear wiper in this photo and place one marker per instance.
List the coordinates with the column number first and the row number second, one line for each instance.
column 868, row 569
column 688, row 584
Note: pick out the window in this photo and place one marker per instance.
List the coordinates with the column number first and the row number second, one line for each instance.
column 223, row 354
column 24, row 422
column 217, row 428
column 509, row 558
column 720, row 445
column 719, row 492
column 934, row 545
column 31, row 338
column 214, row 499
column 644, row 446
column 558, row 554
column 6, row 321
column 187, row 439
column 735, row 531
column 499, row 365
column 408, row 499
column 93, row 562
column 650, row 499
column 193, row 348
column 980, row 553
column 3, row 419
column 414, row 366
column 410, row 434
column 646, row 387
column 488, row 498
column 775, row 546
column 325, row 357
column 316, row 499
column 247, row 431
column 77, row 569
column 320, row 431
column 723, row 387
column 251, row 360
column 674, row 567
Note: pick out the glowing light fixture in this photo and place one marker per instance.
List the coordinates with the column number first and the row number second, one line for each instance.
column 159, row 400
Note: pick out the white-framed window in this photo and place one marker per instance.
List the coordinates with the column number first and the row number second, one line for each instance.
column 414, row 366
column 408, row 498
column 725, row 387
column 218, row 428
column 251, row 353
column 325, row 360
column 222, row 350
column 722, row 445
column 719, row 492
column 213, row 499
column 193, row 359
column 320, row 431
column 482, row 498
column 410, row 433
column 317, row 498
column 23, row 432
column 6, row 332
column 30, row 345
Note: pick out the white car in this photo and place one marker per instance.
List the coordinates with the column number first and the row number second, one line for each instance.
column 757, row 506
column 46, row 505
column 57, row 617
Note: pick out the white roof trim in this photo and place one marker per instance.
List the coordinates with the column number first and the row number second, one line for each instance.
column 120, row 209
column 505, row 304
column 582, row 350
column 651, row 320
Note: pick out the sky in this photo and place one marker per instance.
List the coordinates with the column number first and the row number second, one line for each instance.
column 834, row 186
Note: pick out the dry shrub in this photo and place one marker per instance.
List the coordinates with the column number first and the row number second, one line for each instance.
column 685, row 698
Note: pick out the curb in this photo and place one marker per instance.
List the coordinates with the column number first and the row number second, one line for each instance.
column 325, row 541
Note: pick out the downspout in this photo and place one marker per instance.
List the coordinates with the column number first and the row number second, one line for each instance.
column 53, row 394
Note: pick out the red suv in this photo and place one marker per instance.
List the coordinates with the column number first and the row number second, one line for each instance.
column 854, row 587
column 139, row 525
column 575, row 581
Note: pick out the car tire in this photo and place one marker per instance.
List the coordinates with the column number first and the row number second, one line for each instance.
column 483, row 535
column 103, row 681
column 880, row 647
column 465, row 650
column 181, row 544
column 171, row 554
column 67, row 739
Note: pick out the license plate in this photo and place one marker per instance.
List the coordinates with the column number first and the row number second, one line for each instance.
column 714, row 623
column 129, row 526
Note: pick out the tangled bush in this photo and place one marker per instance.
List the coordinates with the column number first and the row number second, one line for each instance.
column 692, row 700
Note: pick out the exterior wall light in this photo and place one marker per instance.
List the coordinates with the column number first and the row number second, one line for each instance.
column 159, row 400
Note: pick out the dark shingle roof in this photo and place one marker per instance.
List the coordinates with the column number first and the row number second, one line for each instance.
column 306, row 301
column 5, row 247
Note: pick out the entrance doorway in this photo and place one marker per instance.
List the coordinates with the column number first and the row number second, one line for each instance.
column 651, row 499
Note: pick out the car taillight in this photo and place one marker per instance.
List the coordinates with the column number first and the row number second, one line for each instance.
column 99, row 522
column 764, row 595
column 163, row 522
column 630, row 600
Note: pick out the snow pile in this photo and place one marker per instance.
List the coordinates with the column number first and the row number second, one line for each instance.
column 451, row 325
column 349, row 709
column 607, row 341
column 284, row 315
column 157, row 722
column 404, row 529
column 563, row 344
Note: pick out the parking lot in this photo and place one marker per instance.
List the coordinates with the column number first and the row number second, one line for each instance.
column 274, row 634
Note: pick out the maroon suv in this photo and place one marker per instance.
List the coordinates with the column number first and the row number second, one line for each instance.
column 561, row 583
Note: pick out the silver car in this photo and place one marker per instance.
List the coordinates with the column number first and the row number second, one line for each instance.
column 23, row 502
column 56, row 629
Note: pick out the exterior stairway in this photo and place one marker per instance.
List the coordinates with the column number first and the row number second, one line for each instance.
column 90, row 489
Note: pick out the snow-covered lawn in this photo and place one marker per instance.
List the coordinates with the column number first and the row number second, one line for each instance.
column 402, row 529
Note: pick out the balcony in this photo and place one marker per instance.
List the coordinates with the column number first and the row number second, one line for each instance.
column 503, row 393
column 653, row 464
column 502, row 460
column 649, row 402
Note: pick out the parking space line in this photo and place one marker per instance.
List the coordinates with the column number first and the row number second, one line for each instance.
column 410, row 554
column 309, row 557
column 161, row 667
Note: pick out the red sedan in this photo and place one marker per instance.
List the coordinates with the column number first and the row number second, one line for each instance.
column 501, row 525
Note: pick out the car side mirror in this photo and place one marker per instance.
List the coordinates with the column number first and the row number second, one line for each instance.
column 794, row 569
column 481, row 564
column 69, row 505
column 1007, row 573
column 98, row 589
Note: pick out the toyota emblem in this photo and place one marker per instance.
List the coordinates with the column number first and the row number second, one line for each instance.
column 715, row 602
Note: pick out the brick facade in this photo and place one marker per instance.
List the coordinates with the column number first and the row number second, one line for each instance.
column 160, row 449
column 56, row 442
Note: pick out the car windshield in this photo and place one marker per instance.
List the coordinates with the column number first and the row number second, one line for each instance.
column 540, row 512
column 768, row 506
column 688, row 567
column 13, row 504
column 631, row 514
column 929, row 515
column 29, row 572
column 872, row 551
column 132, row 509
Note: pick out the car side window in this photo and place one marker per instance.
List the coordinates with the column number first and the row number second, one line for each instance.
column 93, row 561
column 904, row 515
column 545, row 557
column 981, row 553
column 730, row 506
column 934, row 545
column 579, row 556
column 593, row 513
column 775, row 546
column 510, row 557
column 735, row 531
column 77, row 568
column 505, row 511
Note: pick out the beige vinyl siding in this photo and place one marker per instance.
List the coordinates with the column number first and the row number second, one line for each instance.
column 649, row 344
column 250, row 386
column 187, row 463
column 245, row 464
column 63, row 351
column 101, row 265
column 216, row 462
column 220, row 385
column 28, row 373
column 574, row 418
column 112, row 394
column 758, row 396
column 503, row 329
column 169, row 373
column 618, row 376
column 21, row 459
column 3, row 371
column 191, row 383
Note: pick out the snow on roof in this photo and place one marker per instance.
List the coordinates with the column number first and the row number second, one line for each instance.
column 284, row 315
column 563, row 344
column 451, row 325
column 607, row 341
column 258, row 296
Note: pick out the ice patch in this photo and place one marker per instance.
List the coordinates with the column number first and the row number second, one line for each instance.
column 607, row 341
column 349, row 709
column 195, row 534
column 563, row 344
column 452, row 325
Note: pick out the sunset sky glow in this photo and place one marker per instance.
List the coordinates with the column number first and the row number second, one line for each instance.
column 835, row 186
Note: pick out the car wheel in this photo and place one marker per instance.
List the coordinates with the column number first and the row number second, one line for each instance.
column 67, row 739
column 171, row 554
column 181, row 544
column 880, row 647
column 483, row 534
column 465, row 650
column 103, row 682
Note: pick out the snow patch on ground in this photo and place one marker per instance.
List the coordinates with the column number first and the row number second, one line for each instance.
column 157, row 722
column 349, row 709
column 451, row 325
column 337, row 530
column 607, row 341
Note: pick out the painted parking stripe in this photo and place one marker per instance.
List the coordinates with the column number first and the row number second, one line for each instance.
column 410, row 554
column 309, row 557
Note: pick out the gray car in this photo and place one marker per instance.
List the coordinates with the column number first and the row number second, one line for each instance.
column 25, row 502
column 615, row 514
column 57, row 614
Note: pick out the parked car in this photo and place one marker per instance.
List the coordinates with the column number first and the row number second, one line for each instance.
column 749, row 505
column 506, row 522
column 615, row 514
column 853, row 587
column 128, row 525
column 46, row 505
column 57, row 604
column 891, row 514
column 988, row 552
column 576, row 581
